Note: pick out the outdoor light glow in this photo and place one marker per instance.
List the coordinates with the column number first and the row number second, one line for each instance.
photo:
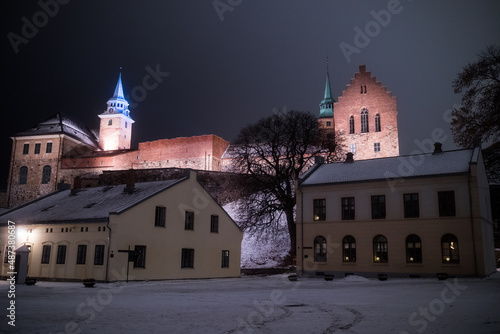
column 22, row 234
column 377, row 258
column 411, row 259
column 452, row 246
column 447, row 259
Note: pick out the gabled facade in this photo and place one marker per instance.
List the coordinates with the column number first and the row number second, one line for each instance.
column 415, row 215
column 174, row 229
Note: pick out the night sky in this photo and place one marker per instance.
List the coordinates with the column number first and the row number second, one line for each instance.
column 232, row 62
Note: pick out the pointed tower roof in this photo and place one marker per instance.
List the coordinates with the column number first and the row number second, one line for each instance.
column 326, row 106
column 119, row 89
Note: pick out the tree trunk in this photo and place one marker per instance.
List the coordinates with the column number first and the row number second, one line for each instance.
column 292, row 231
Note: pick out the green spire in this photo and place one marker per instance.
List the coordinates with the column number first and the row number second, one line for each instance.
column 326, row 106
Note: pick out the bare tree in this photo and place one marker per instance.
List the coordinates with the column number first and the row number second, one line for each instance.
column 273, row 153
column 479, row 115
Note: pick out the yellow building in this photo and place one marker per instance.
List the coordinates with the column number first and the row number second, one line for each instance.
column 415, row 215
column 173, row 228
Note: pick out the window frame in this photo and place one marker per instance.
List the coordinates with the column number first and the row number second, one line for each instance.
column 225, row 259
column 99, row 255
column 378, row 207
column 348, row 249
column 26, row 148
column 348, row 209
column 450, row 255
column 214, row 224
column 446, row 203
column 351, row 125
column 46, row 174
column 38, row 148
column 187, row 258
column 320, row 249
column 411, row 205
column 377, row 123
column 380, row 249
column 81, row 254
column 364, row 121
column 160, row 216
column 46, row 250
column 139, row 256
column 189, row 221
column 61, row 254
column 319, row 209
column 413, row 245
column 48, row 148
column 376, row 147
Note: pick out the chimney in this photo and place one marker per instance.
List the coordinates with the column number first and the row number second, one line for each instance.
column 129, row 182
column 349, row 158
column 437, row 148
column 318, row 160
column 77, row 185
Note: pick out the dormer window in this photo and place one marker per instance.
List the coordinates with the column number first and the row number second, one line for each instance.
column 110, row 122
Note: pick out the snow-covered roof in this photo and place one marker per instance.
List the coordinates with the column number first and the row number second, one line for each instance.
column 88, row 204
column 427, row 164
column 63, row 124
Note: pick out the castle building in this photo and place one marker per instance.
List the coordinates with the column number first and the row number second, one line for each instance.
column 53, row 153
column 365, row 114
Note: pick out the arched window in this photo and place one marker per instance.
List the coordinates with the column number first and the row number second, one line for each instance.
column 46, row 174
column 380, row 253
column 320, row 249
column 351, row 124
column 377, row 123
column 449, row 249
column 23, row 175
column 110, row 122
column 349, row 249
column 364, row 120
column 413, row 249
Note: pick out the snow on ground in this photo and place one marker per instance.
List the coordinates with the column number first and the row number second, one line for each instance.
column 253, row 304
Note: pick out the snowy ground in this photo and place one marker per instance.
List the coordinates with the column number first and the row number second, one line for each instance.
column 251, row 304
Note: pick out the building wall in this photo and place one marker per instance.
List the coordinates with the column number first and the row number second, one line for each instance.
column 365, row 92
column 429, row 227
column 116, row 136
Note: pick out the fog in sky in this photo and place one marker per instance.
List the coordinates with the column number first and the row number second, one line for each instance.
column 211, row 67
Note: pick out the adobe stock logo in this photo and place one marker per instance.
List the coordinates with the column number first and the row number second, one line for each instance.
column 30, row 29
column 362, row 39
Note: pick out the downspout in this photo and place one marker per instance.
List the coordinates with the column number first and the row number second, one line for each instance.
column 109, row 246
column 472, row 223
column 301, row 231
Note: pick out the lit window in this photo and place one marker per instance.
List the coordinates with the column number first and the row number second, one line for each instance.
column 320, row 249
column 349, row 249
column 413, row 249
column 353, row 148
column 364, row 120
column 449, row 249
column 380, row 253
column 319, row 208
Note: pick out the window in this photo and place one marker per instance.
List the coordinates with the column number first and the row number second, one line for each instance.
column 61, row 254
column 411, row 205
column 376, row 147
column 99, row 255
column 81, row 255
column 319, row 209
column 364, row 120
column 6, row 256
column 46, row 174
column 126, row 125
column 140, row 257
column 23, row 175
column 380, row 253
column 225, row 259
column 189, row 222
column 160, row 213
column 446, row 201
column 349, row 249
column 413, row 249
column 187, row 260
column 353, row 148
column 320, row 249
column 328, row 123
column 449, row 249
column 378, row 207
column 110, row 122
column 38, row 146
column 214, row 224
column 351, row 124
column 48, row 148
column 46, row 254
column 26, row 148
column 347, row 208
column 377, row 123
